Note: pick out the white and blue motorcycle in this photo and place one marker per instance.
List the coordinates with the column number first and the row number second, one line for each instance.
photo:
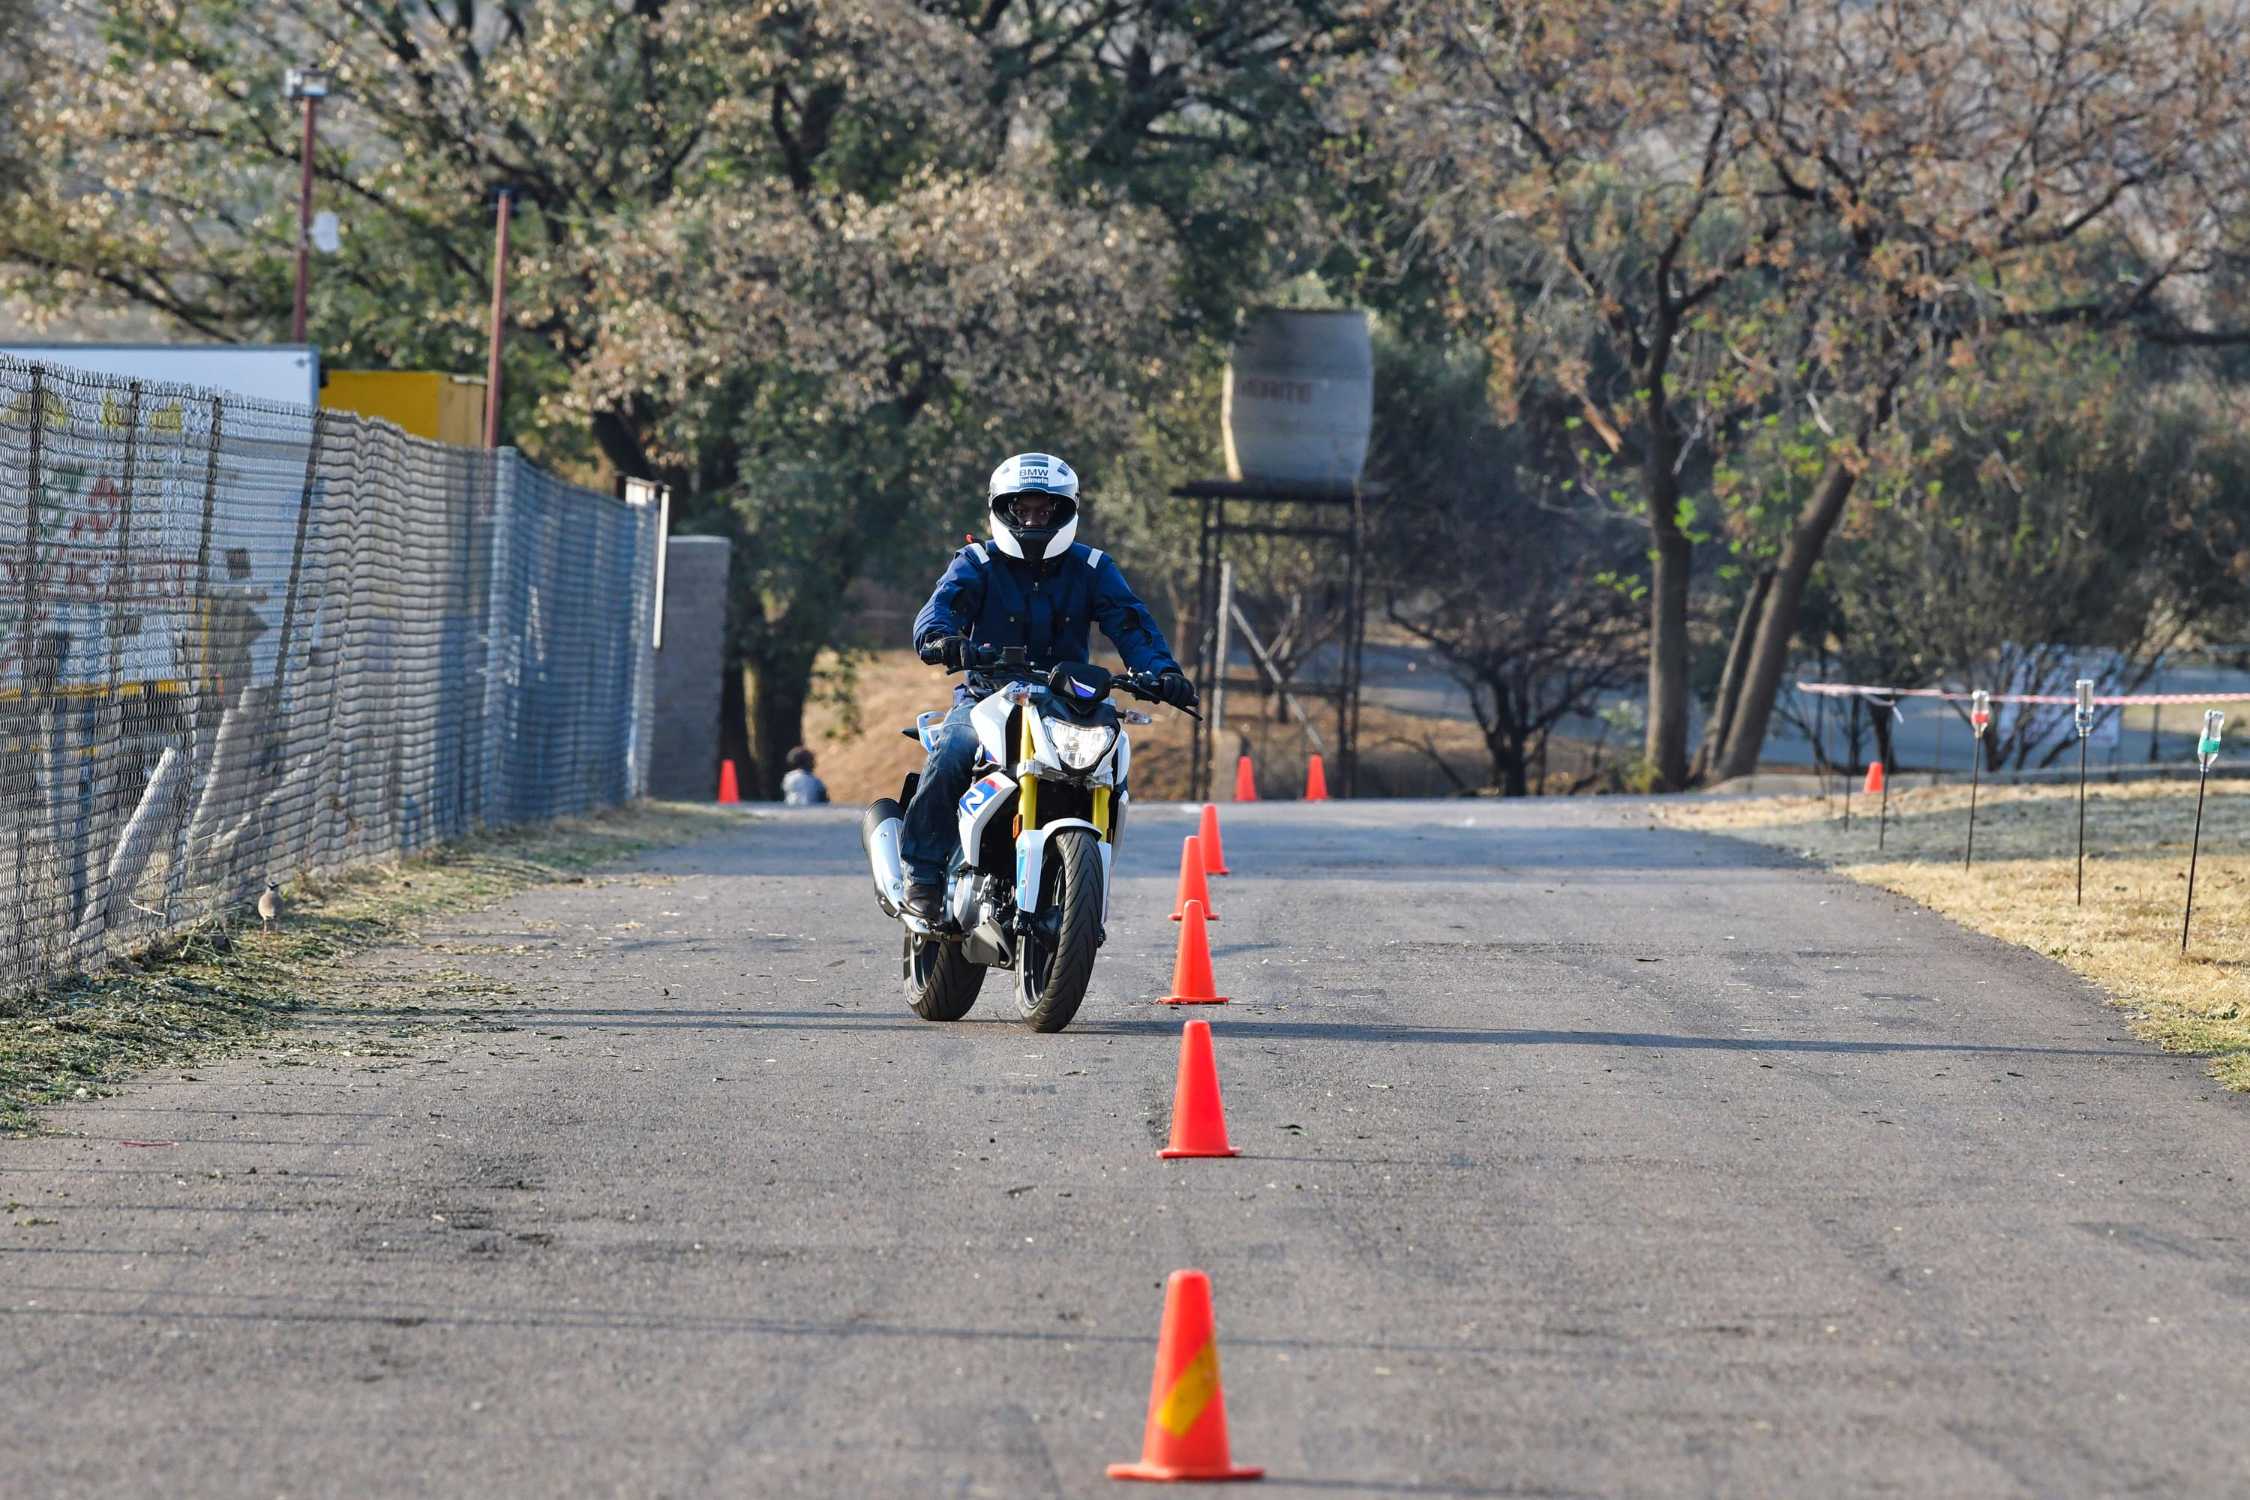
column 1027, row 890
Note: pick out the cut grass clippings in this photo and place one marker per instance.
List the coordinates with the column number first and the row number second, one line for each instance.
column 2126, row 938
column 222, row 985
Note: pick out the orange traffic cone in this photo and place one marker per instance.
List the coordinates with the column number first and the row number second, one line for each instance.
column 1245, row 781
column 1199, row 1119
column 1874, row 777
column 729, row 789
column 1316, row 781
column 1186, row 1435
column 1193, row 887
column 1192, row 983
column 1214, row 853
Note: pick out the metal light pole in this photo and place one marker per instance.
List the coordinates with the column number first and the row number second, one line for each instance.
column 499, row 315
column 2206, row 756
column 310, row 85
column 2082, row 719
column 1980, row 719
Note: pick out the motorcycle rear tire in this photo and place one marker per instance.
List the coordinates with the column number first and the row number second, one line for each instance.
column 941, row 985
column 1050, row 986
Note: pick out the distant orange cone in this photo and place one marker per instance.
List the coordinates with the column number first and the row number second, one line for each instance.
column 1186, row 1435
column 1245, row 781
column 1316, row 781
column 1214, row 853
column 1193, row 887
column 729, row 789
column 1192, row 983
column 1874, row 777
column 1199, row 1119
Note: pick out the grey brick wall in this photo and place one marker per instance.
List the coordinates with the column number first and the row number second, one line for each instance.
column 684, row 758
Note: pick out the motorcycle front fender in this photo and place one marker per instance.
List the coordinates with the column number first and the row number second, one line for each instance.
column 1031, row 861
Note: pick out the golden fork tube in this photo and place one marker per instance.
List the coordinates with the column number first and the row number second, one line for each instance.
column 1028, row 807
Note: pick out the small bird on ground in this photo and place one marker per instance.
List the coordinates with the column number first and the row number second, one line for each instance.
column 269, row 903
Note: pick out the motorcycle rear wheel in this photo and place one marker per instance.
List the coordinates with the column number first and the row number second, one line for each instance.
column 1055, row 956
column 941, row 985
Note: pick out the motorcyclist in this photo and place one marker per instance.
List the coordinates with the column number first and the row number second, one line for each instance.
column 1033, row 586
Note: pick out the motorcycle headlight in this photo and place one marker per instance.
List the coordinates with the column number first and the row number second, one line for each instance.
column 1081, row 746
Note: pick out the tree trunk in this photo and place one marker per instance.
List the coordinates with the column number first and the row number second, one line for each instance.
column 1504, row 741
column 1666, row 746
column 1510, row 763
column 1730, row 679
column 1777, row 625
column 1880, row 720
column 778, row 686
column 1673, row 557
column 734, row 721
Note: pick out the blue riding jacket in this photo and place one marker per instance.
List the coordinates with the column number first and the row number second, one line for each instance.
column 1046, row 607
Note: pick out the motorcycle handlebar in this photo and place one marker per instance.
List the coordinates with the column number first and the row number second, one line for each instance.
column 1012, row 662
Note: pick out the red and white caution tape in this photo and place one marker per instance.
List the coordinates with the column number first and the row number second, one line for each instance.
column 2063, row 700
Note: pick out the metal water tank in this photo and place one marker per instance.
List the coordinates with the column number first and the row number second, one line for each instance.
column 1299, row 397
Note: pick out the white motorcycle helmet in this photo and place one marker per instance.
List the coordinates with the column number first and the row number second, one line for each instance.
column 1041, row 474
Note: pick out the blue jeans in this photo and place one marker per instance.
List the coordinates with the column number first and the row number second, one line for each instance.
column 933, row 818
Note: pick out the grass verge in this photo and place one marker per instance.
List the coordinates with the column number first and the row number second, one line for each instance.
column 2022, row 888
column 223, row 985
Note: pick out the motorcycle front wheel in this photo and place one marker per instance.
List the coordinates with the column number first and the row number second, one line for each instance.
column 1055, row 954
column 941, row 985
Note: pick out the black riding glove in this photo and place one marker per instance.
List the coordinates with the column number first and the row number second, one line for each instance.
column 1175, row 689
column 950, row 651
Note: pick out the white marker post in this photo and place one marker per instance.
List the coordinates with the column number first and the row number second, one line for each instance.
column 2082, row 718
column 1851, row 748
column 2206, row 756
column 1980, row 719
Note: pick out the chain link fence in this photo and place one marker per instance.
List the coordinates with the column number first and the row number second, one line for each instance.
column 241, row 642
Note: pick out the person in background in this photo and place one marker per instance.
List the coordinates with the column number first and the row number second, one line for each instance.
column 799, row 786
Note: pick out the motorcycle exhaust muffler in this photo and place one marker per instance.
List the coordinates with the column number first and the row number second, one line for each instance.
column 880, row 829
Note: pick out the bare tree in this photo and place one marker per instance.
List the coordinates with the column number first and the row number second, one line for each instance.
column 1535, row 629
column 1520, row 585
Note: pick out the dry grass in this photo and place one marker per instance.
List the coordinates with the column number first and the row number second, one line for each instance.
column 228, row 984
column 2126, row 938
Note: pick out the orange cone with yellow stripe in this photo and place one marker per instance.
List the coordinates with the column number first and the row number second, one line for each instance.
column 1186, row 1435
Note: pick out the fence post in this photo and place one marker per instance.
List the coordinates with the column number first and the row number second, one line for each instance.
column 27, row 631
column 199, row 659
column 92, row 917
column 503, row 649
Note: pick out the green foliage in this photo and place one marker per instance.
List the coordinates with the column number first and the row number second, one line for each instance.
column 818, row 267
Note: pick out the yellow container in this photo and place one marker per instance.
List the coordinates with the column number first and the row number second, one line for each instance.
column 425, row 403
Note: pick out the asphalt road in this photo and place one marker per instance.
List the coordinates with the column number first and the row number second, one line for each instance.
column 1580, row 1158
